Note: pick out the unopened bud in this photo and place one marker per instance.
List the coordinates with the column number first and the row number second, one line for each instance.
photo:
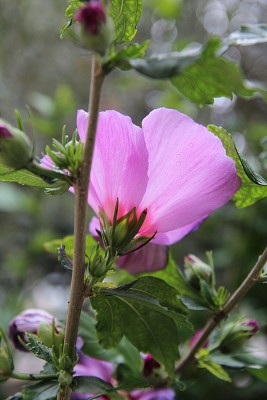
column 237, row 333
column 50, row 335
column 28, row 321
column 196, row 269
column 97, row 28
column 15, row 146
column 6, row 362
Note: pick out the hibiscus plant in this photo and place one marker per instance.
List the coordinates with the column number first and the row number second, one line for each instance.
column 128, row 332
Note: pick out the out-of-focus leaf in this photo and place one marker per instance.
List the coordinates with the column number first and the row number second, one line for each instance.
column 247, row 35
column 260, row 373
column 227, row 360
column 121, row 58
column 91, row 384
column 212, row 76
column 132, row 311
column 17, row 396
column 166, row 65
column 40, row 391
column 254, row 187
column 68, row 241
column 125, row 14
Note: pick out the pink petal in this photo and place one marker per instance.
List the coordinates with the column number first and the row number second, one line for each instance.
column 190, row 175
column 149, row 258
column 174, row 236
column 120, row 163
column 47, row 162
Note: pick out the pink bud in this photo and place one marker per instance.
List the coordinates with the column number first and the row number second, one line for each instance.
column 91, row 16
column 254, row 325
column 4, row 132
column 196, row 337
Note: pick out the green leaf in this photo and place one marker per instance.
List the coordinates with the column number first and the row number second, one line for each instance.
column 207, row 293
column 254, row 187
column 204, row 361
column 221, row 296
column 38, row 348
column 91, row 384
column 40, row 391
column 132, row 311
column 260, row 373
column 211, row 76
column 121, row 58
column 167, row 295
column 125, row 351
column 24, row 177
column 125, row 14
column 68, row 241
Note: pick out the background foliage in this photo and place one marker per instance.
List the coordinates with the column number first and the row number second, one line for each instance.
column 43, row 74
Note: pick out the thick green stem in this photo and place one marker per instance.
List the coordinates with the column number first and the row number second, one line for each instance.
column 77, row 290
column 214, row 321
column 32, row 377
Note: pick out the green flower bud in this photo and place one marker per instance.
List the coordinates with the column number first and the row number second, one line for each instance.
column 97, row 28
column 196, row 269
column 15, row 146
column 6, row 361
column 50, row 335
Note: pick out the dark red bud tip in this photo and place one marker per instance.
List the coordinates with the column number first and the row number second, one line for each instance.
column 4, row 132
column 91, row 15
column 254, row 325
column 149, row 365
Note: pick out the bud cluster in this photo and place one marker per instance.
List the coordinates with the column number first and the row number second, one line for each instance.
column 121, row 235
column 66, row 156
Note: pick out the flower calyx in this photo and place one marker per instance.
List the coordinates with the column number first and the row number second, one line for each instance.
column 121, row 236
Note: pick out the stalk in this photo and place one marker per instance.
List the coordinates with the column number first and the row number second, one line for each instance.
column 77, row 290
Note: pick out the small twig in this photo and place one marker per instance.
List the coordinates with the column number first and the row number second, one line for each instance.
column 214, row 321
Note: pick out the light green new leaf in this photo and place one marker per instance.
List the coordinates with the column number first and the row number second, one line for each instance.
column 68, row 241
column 254, row 187
column 215, row 369
column 24, row 177
column 121, row 58
column 125, row 14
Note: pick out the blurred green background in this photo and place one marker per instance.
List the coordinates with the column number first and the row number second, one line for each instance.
column 47, row 79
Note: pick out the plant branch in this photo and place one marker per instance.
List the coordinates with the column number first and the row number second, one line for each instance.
column 32, row 377
column 77, row 290
column 217, row 317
